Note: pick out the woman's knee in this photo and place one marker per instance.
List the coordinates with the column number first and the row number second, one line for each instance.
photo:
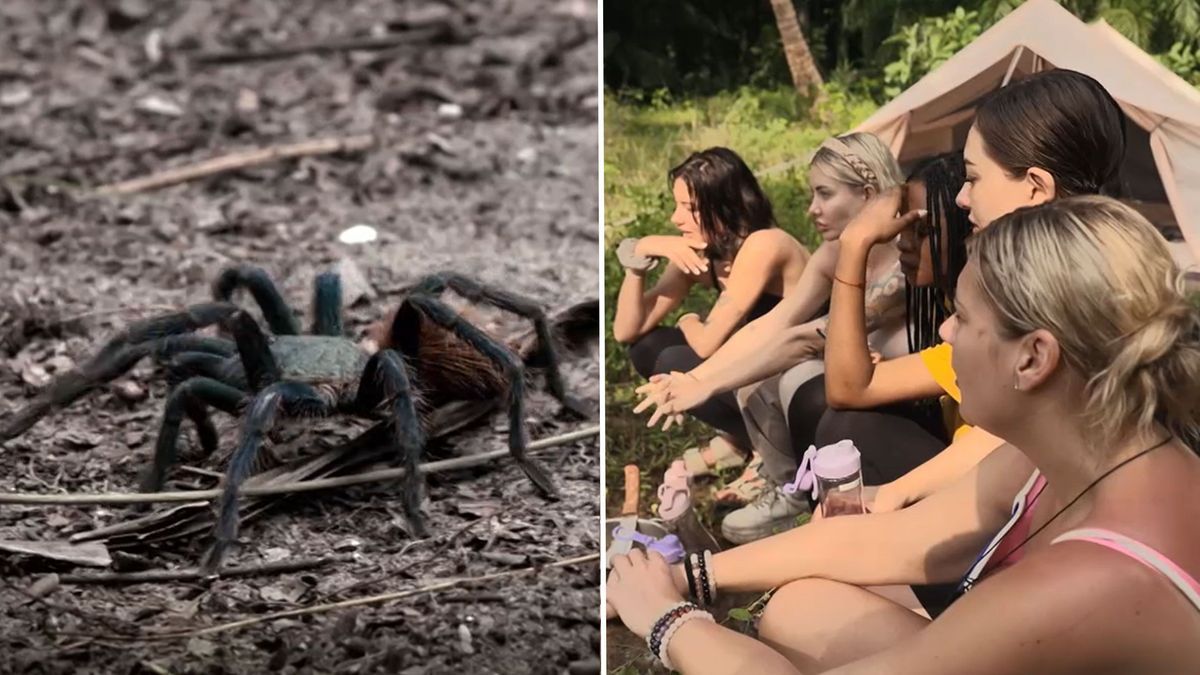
column 644, row 352
column 678, row 358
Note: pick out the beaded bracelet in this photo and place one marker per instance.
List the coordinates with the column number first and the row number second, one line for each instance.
column 712, row 579
column 704, row 590
column 672, row 628
column 654, row 637
column 691, row 576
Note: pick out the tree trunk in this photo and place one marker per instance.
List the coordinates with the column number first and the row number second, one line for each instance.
column 795, row 47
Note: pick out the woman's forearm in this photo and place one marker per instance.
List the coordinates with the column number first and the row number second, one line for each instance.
column 866, row 550
column 700, row 646
column 630, row 317
column 777, row 352
column 945, row 467
column 848, row 365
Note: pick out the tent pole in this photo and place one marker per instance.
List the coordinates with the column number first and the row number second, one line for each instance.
column 1012, row 65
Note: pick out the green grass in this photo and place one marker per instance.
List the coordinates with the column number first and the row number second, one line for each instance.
column 776, row 134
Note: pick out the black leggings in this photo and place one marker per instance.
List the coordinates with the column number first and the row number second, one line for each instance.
column 893, row 439
column 663, row 350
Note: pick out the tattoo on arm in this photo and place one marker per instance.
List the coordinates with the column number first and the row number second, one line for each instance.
column 883, row 298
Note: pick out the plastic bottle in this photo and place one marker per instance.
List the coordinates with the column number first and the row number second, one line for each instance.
column 834, row 473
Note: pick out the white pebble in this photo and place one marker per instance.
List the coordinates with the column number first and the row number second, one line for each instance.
column 358, row 234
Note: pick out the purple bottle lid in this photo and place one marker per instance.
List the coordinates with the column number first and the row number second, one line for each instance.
column 835, row 461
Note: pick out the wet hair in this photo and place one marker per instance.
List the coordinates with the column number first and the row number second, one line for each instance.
column 1098, row 276
column 928, row 307
column 1061, row 121
column 726, row 198
column 859, row 160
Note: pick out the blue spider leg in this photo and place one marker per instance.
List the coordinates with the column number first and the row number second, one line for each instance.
column 275, row 309
column 291, row 399
column 191, row 398
column 116, row 358
column 327, row 305
column 385, row 381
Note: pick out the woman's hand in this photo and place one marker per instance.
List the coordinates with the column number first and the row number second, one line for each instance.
column 877, row 222
column 681, row 251
column 641, row 589
column 672, row 395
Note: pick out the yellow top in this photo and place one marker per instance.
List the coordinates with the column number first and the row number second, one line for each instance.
column 937, row 360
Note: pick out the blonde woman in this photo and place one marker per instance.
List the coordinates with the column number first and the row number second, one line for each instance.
column 1074, row 341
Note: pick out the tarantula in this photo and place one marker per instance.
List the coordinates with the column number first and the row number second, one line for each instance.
column 428, row 355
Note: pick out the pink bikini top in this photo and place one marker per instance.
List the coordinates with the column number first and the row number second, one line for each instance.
column 1017, row 529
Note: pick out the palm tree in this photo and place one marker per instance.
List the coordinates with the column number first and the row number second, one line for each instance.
column 795, row 47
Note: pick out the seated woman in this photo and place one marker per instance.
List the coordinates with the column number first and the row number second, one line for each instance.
column 927, row 293
column 728, row 241
column 1073, row 339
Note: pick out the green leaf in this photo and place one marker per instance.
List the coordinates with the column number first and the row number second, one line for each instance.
column 740, row 614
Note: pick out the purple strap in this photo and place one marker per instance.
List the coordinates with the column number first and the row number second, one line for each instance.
column 669, row 547
column 805, row 477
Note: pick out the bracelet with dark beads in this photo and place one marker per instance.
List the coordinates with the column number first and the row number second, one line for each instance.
column 654, row 639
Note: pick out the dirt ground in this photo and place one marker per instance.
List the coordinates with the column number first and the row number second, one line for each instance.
column 484, row 162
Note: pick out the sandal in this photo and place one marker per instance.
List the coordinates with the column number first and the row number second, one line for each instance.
column 746, row 488
column 674, row 495
column 725, row 456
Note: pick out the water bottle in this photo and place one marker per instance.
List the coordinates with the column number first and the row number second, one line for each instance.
column 834, row 474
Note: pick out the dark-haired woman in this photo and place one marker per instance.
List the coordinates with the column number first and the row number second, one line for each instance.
column 728, row 241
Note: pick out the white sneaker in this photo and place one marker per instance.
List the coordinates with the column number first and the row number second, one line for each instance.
column 772, row 512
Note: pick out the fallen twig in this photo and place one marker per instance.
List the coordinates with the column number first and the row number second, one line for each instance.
column 354, row 602
column 287, row 488
column 149, row 576
column 412, row 37
column 235, row 161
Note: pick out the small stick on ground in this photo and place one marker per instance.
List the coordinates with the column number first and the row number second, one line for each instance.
column 411, row 38
column 236, row 160
column 153, row 576
column 287, row 488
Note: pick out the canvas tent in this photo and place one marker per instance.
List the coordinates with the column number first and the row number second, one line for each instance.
column 1161, row 175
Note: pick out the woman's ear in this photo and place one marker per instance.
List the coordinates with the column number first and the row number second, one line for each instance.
column 868, row 192
column 1042, row 186
column 1038, row 358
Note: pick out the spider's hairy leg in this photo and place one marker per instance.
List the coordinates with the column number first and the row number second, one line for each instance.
column 327, row 305
column 290, row 399
column 187, row 365
column 116, row 358
column 385, row 380
column 275, row 309
column 254, row 350
column 545, row 354
column 190, row 398
column 514, row 372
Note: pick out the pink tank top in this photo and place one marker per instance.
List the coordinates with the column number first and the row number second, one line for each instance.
column 1003, row 551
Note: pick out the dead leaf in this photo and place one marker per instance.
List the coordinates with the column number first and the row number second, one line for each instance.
column 91, row 554
column 201, row 648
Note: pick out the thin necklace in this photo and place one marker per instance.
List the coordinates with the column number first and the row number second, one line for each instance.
column 967, row 583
